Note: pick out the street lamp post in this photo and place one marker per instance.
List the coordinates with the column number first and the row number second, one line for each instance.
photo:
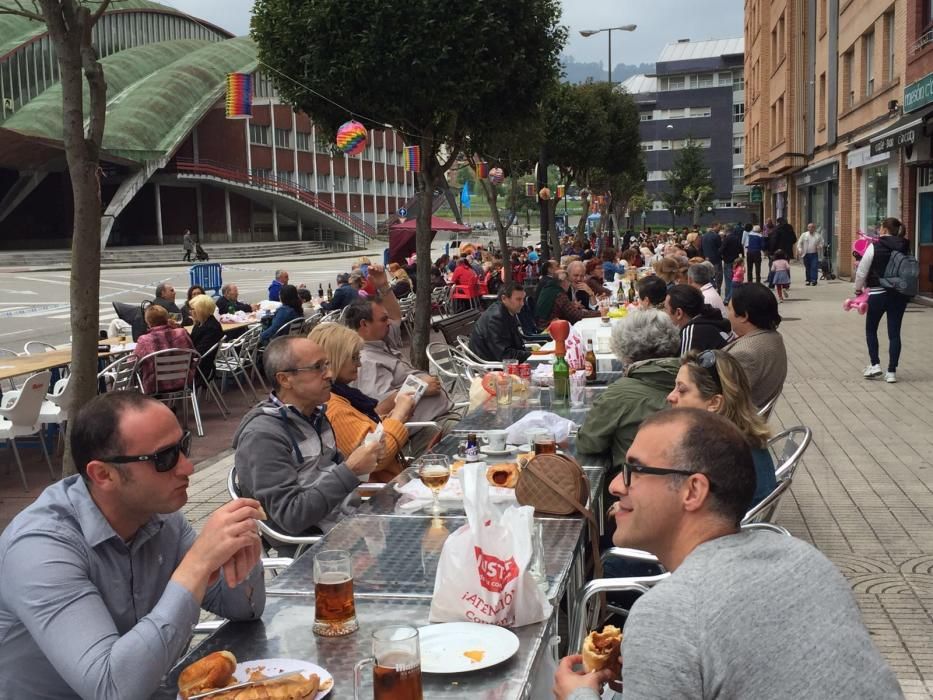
column 608, row 30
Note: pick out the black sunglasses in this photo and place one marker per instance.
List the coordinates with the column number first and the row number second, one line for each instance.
column 628, row 468
column 164, row 460
column 707, row 360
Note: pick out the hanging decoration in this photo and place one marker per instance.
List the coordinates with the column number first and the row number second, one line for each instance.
column 529, row 189
column 482, row 169
column 351, row 138
column 561, row 189
column 496, row 176
column 239, row 96
column 413, row 159
column 545, row 193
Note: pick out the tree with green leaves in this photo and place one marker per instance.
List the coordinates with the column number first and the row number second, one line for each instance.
column 70, row 24
column 399, row 65
column 690, row 185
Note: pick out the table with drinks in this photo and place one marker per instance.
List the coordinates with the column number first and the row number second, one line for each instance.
column 362, row 596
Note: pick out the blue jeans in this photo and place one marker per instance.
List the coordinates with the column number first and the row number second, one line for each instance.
column 811, row 263
column 894, row 304
column 727, row 279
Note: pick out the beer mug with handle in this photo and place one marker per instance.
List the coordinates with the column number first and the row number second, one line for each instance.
column 334, row 610
column 396, row 663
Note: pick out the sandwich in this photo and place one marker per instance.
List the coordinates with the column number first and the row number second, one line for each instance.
column 601, row 650
column 503, row 475
column 209, row 673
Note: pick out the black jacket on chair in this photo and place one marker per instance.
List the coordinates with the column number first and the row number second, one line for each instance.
column 496, row 336
column 205, row 336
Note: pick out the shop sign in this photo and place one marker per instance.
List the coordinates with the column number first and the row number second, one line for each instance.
column 779, row 184
column 892, row 142
column 824, row 173
column 918, row 94
column 755, row 195
column 861, row 157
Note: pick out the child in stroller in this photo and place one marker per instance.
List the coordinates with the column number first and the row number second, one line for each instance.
column 200, row 253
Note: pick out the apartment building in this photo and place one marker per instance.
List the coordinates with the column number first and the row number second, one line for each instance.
column 696, row 93
column 833, row 134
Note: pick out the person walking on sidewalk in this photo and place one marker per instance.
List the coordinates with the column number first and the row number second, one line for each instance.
column 753, row 242
column 780, row 274
column 187, row 242
column 808, row 249
column 882, row 301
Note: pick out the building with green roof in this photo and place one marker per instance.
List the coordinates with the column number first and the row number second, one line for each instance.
column 171, row 160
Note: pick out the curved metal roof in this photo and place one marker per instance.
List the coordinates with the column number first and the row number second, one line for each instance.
column 155, row 95
column 712, row 48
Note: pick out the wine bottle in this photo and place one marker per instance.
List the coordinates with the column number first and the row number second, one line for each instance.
column 561, row 381
column 320, row 291
column 631, row 293
column 330, row 293
column 590, row 359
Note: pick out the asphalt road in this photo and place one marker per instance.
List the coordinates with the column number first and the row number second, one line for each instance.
column 35, row 305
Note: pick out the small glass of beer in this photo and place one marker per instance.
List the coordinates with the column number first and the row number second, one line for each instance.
column 334, row 612
column 434, row 472
column 396, row 663
column 545, row 443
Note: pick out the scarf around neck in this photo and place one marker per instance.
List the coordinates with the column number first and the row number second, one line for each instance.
column 360, row 401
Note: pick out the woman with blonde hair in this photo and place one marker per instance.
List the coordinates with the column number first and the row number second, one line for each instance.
column 714, row 380
column 354, row 415
column 206, row 332
column 667, row 269
column 400, row 281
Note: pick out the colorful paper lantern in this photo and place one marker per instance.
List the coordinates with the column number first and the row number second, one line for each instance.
column 239, row 96
column 545, row 193
column 351, row 138
column 496, row 176
column 561, row 189
column 529, row 189
column 482, row 169
column 413, row 159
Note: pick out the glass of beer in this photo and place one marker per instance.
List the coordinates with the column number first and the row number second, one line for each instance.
column 545, row 443
column 396, row 663
column 334, row 612
column 434, row 472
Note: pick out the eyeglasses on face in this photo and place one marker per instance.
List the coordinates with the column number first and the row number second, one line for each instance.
column 628, row 468
column 321, row 366
column 164, row 460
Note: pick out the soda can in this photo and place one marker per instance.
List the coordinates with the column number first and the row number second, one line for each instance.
column 524, row 371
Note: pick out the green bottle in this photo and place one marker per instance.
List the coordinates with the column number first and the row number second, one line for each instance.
column 561, row 381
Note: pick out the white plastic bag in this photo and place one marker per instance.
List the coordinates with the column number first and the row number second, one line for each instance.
column 484, row 571
column 560, row 427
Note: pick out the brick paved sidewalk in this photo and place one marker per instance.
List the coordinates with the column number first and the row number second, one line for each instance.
column 862, row 494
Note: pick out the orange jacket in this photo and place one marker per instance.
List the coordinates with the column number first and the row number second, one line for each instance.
column 350, row 426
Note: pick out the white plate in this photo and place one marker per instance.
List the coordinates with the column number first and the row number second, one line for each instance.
column 487, row 450
column 274, row 667
column 443, row 646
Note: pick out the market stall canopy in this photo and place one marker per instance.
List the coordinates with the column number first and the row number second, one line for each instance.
column 402, row 236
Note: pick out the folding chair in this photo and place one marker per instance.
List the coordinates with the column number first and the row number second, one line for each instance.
column 19, row 417
column 229, row 363
column 171, row 367
column 208, row 382
column 121, row 374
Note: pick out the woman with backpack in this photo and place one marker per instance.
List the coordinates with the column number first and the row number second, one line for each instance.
column 881, row 299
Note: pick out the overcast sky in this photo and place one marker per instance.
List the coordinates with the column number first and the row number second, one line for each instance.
column 659, row 22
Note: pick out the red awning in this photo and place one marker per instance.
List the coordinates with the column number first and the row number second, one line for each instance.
column 437, row 224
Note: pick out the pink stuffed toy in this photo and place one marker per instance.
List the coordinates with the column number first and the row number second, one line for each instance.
column 860, row 301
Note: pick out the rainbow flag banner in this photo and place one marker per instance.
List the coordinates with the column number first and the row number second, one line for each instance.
column 239, row 96
column 482, row 169
column 413, row 159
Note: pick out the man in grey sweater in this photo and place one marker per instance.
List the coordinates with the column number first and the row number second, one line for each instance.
column 286, row 453
column 744, row 614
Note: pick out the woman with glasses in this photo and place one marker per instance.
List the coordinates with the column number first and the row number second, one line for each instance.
column 713, row 380
column 354, row 415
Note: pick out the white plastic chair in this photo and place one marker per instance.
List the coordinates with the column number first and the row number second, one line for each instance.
column 19, row 417
column 37, row 347
column 6, row 352
column 54, row 410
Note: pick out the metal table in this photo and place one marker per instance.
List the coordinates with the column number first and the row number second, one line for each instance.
column 397, row 556
column 285, row 632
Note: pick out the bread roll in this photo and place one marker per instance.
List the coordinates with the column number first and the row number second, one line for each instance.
column 601, row 650
column 213, row 671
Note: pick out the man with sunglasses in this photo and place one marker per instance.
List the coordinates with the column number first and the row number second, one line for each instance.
column 103, row 578
column 744, row 613
column 286, row 451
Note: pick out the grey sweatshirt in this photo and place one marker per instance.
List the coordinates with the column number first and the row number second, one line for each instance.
column 752, row 615
column 293, row 468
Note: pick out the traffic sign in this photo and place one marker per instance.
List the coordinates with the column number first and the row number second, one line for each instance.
column 403, row 212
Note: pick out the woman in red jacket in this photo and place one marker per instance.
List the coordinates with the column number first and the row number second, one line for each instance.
column 466, row 284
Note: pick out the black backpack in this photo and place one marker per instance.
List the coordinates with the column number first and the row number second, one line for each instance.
column 901, row 274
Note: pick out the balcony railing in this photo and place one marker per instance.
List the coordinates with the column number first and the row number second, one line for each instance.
column 925, row 38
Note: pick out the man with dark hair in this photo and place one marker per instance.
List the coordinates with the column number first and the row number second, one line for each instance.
column 711, row 249
column 165, row 297
column 496, row 335
column 759, row 347
column 652, row 291
column 704, row 632
column 286, row 452
column 701, row 326
column 103, row 578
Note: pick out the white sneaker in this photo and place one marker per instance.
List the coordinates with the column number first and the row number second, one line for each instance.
column 872, row 371
column 890, row 378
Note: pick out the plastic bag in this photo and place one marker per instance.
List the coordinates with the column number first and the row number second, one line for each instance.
column 484, row 571
column 560, row 427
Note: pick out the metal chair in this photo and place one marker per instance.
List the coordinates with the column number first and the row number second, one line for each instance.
column 332, row 316
column 249, row 351
column 37, row 347
column 19, row 417
column 463, row 346
column 171, row 367
column 293, row 327
column 208, row 382
column 272, row 536
column 310, row 322
column 444, row 367
column 470, row 369
column 765, row 411
column 229, row 363
column 121, row 374
column 787, row 448
column 764, row 511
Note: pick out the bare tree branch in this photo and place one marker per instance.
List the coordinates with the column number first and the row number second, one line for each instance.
column 98, row 12
column 23, row 12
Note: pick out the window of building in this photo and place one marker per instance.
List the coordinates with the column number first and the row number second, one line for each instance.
column 380, row 186
column 706, row 80
column 354, row 184
column 647, row 147
column 675, row 113
column 848, row 76
column 738, row 145
column 781, row 37
column 259, row 134
column 927, row 12
column 380, row 154
column 868, row 47
column 665, row 145
column 262, row 173
column 821, row 107
column 367, row 186
column 655, row 175
column 738, row 112
column 645, row 117
column 876, row 195
column 700, row 111
column 773, row 124
column 738, row 176
column 305, row 180
column 822, row 10
column 725, row 78
column 675, row 82
column 323, row 182
column 303, row 141
column 340, row 183
column 283, row 138
column 890, row 48
column 323, row 145
column 780, row 117
column 774, row 47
